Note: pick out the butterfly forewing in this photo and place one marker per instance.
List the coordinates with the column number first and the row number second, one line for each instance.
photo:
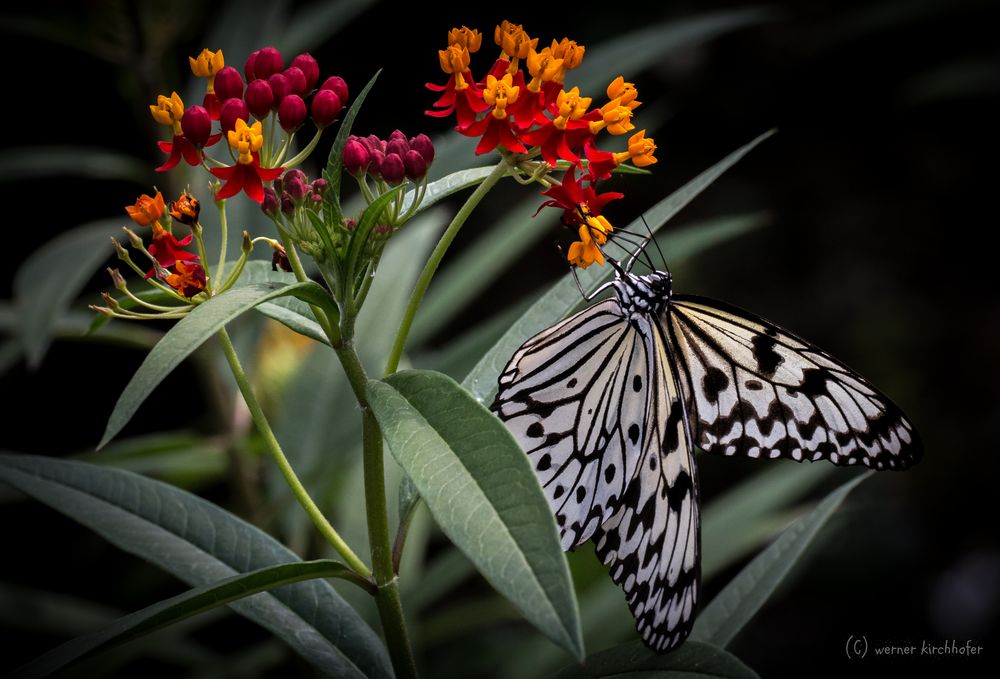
column 576, row 399
column 760, row 391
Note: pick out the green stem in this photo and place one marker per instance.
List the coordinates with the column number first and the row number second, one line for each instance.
column 223, row 230
column 274, row 448
column 330, row 329
column 435, row 259
column 301, row 155
column 200, row 243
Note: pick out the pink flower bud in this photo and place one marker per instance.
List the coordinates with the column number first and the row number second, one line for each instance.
column 337, row 84
column 259, row 98
column 416, row 166
column 280, row 88
column 396, row 134
column 376, row 143
column 397, row 146
column 393, row 172
column 423, row 145
column 320, row 186
column 307, row 64
column 294, row 175
column 325, row 108
column 233, row 110
column 267, row 63
column 248, row 67
column 196, row 124
column 296, row 81
column 228, row 84
column 356, row 156
column 287, row 206
column 296, row 189
column 292, row 113
column 270, row 205
column 375, row 160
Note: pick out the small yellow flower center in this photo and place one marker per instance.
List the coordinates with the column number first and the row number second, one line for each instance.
column 500, row 93
column 455, row 60
column 625, row 92
column 512, row 39
column 571, row 107
column 206, row 65
column 466, row 37
column 570, row 53
column 168, row 111
column 543, row 67
column 246, row 139
column 615, row 117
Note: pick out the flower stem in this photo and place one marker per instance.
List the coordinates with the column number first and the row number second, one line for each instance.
column 223, row 226
column 274, row 448
column 417, row 296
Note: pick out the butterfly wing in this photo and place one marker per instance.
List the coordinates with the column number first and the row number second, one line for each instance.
column 575, row 397
column 652, row 544
column 761, row 391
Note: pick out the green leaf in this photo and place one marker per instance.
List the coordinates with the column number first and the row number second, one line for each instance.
column 291, row 312
column 482, row 492
column 690, row 661
column 563, row 297
column 739, row 601
column 200, row 544
column 53, row 276
column 734, row 524
column 189, row 333
column 335, row 161
column 369, row 219
column 40, row 162
column 446, row 186
column 180, row 607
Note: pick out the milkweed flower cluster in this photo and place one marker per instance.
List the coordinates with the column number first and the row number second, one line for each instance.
column 256, row 114
column 523, row 108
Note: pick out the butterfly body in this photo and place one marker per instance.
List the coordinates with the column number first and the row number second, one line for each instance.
column 610, row 404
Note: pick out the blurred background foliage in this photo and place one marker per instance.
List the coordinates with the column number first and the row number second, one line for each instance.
column 857, row 225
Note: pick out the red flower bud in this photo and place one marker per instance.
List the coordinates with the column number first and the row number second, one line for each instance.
column 287, row 206
column 336, row 84
column 259, row 98
column 248, row 67
column 376, row 143
column 397, row 146
column 325, row 108
column 280, row 88
column 233, row 110
column 396, row 134
column 356, row 156
column 393, row 172
column 296, row 81
column 320, row 186
column 270, row 205
column 416, row 166
column 228, row 84
column 297, row 175
column 267, row 63
column 291, row 113
column 197, row 125
column 309, row 68
column 423, row 145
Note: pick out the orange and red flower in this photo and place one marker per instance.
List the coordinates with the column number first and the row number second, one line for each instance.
column 246, row 175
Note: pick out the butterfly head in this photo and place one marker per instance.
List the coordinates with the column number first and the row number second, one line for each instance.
column 647, row 294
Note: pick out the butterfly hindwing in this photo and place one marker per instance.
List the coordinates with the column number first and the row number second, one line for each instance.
column 575, row 399
column 760, row 391
column 652, row 544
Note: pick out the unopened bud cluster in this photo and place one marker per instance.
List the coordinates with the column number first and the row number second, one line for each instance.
column 287, row 201
column 389, row 160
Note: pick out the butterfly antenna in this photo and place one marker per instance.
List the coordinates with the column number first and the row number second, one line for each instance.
column 656, row 244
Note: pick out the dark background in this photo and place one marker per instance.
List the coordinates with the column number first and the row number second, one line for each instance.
column 880, row 183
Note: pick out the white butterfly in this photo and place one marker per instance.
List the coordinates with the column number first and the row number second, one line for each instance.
column 610, row 403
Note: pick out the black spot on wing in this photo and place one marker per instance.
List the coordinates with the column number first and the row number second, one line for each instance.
column 535, row 430
column 609, row 473
column 636, row 383
column 714, row 383
column 633, row 433
column 544, row 462
column 767, row 358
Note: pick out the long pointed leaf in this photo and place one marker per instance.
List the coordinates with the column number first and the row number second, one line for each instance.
column 483, row 494
column 189, row 333
column 691, row 661
column 170, row 611
column 200, row 543
column 739, row 601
